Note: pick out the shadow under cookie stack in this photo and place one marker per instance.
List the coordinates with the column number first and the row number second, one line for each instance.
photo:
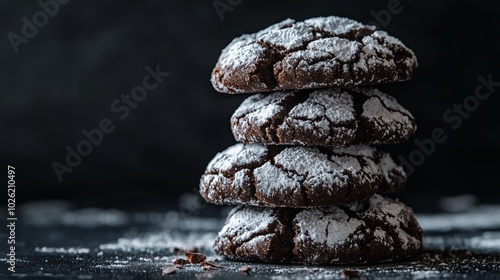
column 307, row 180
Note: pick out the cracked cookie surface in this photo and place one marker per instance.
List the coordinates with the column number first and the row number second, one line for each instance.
column 298, row 176
column 376, row 230
column 315, row 53
column 323, row 117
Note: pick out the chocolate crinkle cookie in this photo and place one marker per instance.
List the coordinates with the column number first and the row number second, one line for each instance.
column 376, row 230
column 315, row 53
column 322, row 117
column 298, row 176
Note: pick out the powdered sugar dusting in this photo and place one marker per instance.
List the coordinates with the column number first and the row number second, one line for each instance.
column 240, row 51
column 388, row 165
column 336, row 25
column 331, row 229
column 327, row 235
column 315, row 166
column 339, row 107
column 341, row 229
column 280, row 25
column 245, row 224
column 319, row 52
column 237, row 155
column 331, row 103
column 324, row 117
column 389, row 101
column 271, row 181
column 258, row 175
column 396, row 215
column 259, row 109
column 373, row 109
column 339, row 48
column 288, row 38
column 379, row 233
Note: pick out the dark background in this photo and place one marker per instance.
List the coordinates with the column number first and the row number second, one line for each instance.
column 65, row 78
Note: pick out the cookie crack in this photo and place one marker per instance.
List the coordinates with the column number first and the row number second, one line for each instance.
column 410, row 117
column 264, row 70
column 401, row 55
column 359, row 99
column 279, row 53
column 351, row 65
column 301, row 179
column 298, row 98
column 373, row 225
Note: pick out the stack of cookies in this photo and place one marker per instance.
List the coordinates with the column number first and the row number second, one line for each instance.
column 308, row 183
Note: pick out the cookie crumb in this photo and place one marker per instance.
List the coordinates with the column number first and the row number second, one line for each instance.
column 346, row 273
column 169, row 270
column 180, row 262
column 245, row 269
column 195, row 258
column 211, row 264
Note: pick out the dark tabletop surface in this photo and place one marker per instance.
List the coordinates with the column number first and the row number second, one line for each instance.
column 55, row 240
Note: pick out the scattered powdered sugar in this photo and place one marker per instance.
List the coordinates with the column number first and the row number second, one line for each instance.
column 161, row 240
column 483, row 241
column 70, row 250
column 478, row 218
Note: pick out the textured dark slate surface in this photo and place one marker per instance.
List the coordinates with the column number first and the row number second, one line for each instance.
column 55, row 241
